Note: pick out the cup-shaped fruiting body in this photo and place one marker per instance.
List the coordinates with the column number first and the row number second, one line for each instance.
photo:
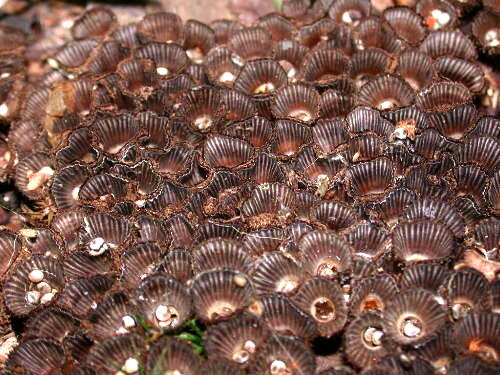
column 422, row 240
column 35, row 282
column 220, row 151
column 264, row 240
column 220, row 294
column 366, row 340
column 221, row 254
column 365, row 119
column 114, row 132
column 425, row 276
column 386, row 92
column 283, row 354
column 212, row 229
column 223, row 29
column 329, row 134
column 413, row 316
column 171, row 355
column 439, row 350
column 276, row 273
column 371, row 33
column 335, row 104
column 371, row 179
column 416, row 68
column 365, row 147
column 164, row 302
column 480, row 151
column 477, row 334
column 438, row 14
column 278, row 26
column 33, row 174
column 486, row 31
column 334, row 215
column 372, row 293
column 256, row 130
column 282, row 315
column 369, row 63
column 466, row 290
column 238, row 340
column 472, row 365
column 82, row 296
column 122, row 353
column 368, row 240
column 290, row 137
column 436, row 210
column 324, row 254
column 448, row 43
column 38, row 356
column 178, row 264
column 487, row 234
column 324, row 301
column 162, row 27
column 463, row 71
column 113, row 316
column 406, row 24
column 350, row 12
column 492, row 193
column 392, row 206
column 261, row 77
column 289, row 54
column 270, row 204
column 455, row 123
column 102, row 232
column 67, row 184
column 324, row 66
column 297, row 102
column 251, row 43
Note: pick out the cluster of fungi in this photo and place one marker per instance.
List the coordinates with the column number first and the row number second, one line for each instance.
column 317, row 193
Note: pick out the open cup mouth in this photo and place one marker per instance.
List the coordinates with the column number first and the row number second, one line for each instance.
column 282, row 315
column 449, row 43
column 479, row 151
column 438, row 14
column 161, row 27
column 169, row 59
column 366, row 339
column 442, row 96
column 475, row 334
column 324, row 254
column 462, row 71
column 219, row 294
column 406, row 24
column 251, row 43
column 33, row 283
column 386, row 92
column 350, row 12
column 261, row 77
column 416, row 68
column 372, row 293
column 413, row 316
column 275, row 273
column 370, row 179
column 486, row 31
column 165, row 302
column 296, row 102
column 324, row 66
column 422, row 240
column 238, row 340
column 324, row 301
